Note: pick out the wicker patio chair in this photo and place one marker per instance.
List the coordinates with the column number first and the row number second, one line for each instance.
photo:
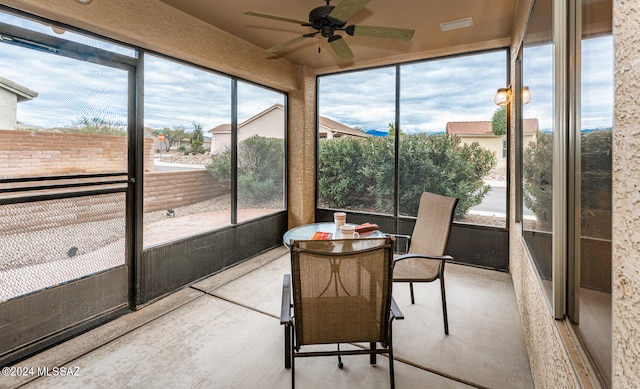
column 424, row 257
column 341, row 293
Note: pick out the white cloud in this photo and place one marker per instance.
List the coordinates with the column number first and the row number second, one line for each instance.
column 432, row 93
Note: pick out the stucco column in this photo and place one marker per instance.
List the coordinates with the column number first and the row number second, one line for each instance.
column 626, row 195
column 302, row 148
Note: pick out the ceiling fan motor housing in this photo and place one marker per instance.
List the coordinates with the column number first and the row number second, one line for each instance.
column 320, row 20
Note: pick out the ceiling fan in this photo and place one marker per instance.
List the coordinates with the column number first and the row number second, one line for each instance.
column 328, row 19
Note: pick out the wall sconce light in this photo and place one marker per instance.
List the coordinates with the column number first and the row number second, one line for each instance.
column 84, row 2
column 526, row 95
column 503, row 96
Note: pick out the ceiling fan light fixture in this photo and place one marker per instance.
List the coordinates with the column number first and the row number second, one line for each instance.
column 456, row 24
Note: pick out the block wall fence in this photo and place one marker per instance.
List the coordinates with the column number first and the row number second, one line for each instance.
column 33, row 154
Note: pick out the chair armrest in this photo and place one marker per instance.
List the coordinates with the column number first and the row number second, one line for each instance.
column 285, row 310
column 401, row 237
column 395, row 310
column 438, row 257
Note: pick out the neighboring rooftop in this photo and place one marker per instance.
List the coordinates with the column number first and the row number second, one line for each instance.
column 483, row 128
column 22, row 92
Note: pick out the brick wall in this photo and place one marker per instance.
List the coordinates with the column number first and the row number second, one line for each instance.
column 164, row 190
column 27, row 154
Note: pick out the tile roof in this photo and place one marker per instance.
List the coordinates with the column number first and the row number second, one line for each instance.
column 530, row 126
column 329, row 124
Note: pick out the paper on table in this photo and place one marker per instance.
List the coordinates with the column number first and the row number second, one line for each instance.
column 321, row 235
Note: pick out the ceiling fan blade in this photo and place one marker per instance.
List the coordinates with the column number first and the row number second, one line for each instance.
column 340, row 47
column 404, row 34
column 347, row 8
column 276, row 17
column 286, row 44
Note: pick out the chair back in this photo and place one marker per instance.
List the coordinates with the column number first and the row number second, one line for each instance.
column 342, row 290
column 433, row 226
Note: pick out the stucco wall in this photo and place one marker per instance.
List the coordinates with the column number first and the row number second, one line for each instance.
column 548, row 357
column 491, row 143
column 8, row 109
column 626, row 195
column 548, row 353
column 269, row 125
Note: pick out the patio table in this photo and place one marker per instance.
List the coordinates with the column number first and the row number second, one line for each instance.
column 305, row 232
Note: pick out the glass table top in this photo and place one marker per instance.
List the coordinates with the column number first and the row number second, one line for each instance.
column 306, row 231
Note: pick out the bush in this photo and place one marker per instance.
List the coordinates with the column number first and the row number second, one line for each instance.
column 537, row 164
column 596, row 173
column 441, row 164
column 260, row 168
column 596, row 169
column 358, row 172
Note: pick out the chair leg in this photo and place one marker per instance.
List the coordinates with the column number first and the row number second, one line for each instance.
column 411, row 290
column 372, row 356
column 287, row 346
column 392, row 376
column 293, row 374
column 444, row 305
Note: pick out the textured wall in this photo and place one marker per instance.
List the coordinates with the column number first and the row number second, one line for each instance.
column 164, row 190
column 27, row 154
column 548, row 352
column 550, row 363
column 626, row 196
column 302, row 150
column 8, row 109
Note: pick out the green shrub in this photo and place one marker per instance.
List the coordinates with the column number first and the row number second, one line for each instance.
column 537, row 177
column 596, row 169
column 358, row 172
column 596, row 173
column 441, row 164
column 341, row 178
column 260, row 168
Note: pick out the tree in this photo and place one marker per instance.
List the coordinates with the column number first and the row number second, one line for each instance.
column 499, row 121
column 197, row 140
column 172, row 136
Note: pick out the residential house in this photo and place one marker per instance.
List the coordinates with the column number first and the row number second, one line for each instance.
column 269, row 123
column 481, row 132
column 10, row 95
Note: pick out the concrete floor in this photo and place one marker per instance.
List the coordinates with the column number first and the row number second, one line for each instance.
column 224, row 332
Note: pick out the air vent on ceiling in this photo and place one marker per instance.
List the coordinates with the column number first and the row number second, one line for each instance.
column 455, row 24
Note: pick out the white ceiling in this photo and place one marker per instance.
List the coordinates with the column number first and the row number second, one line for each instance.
column 492, row 25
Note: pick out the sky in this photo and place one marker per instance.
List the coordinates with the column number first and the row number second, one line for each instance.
column 432, row 93
column 69, row 90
